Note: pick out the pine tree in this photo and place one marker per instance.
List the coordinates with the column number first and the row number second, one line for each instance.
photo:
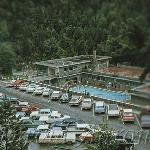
column 12, row 137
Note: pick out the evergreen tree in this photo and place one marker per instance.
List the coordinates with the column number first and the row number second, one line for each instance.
column 12, row 137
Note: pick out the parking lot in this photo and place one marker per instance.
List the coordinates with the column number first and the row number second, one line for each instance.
column 142, row 138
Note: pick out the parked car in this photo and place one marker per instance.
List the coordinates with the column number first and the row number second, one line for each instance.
column 145, row 121
column 31, row 88
column 21, row 105
column 65, row 123
column 55, row 116
column 47, row 92
column 127, row 115
column 65, row 98
column 100, row 107
column 23, row 86
column 38, row 91
column 28, row 123
column 113, row 110
column 20, row 114
column 86, row 137
column 10, row 83
column 44, row 112
column 25, row 107
column 56, row 95
column 145, row 117
column 32, row 132
column 18, row 83
column 34, row 115
column 86, row 103
column 75, row 100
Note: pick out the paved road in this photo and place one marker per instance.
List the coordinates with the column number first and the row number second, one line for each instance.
column 84, row 115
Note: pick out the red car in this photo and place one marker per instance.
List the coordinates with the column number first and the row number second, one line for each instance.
column 128, row 115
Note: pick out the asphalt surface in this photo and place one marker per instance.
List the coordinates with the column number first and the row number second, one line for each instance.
column 142, row 138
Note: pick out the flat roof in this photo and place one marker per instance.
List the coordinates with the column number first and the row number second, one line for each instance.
column 124, row 71
column 70, row 61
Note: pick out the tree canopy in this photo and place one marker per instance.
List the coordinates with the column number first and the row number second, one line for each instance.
column 11, row 135
column 7, row 58
column 40, row 30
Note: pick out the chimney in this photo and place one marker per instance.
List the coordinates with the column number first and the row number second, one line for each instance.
column 94, row 54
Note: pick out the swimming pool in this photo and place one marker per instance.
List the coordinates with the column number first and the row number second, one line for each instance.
column 102, row 93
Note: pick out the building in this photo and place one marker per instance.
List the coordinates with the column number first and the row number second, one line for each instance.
column 82, row 69
column 70, row 68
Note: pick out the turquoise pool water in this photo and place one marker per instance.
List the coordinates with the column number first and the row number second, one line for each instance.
column 102, row 93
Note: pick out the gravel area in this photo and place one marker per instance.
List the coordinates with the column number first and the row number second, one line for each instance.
column 87, row 116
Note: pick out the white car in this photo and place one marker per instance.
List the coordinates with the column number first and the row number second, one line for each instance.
column 55, row 114
column 47, row 92
column 56, row 95
column 44, row 112
column 113, row 110
column 75, row 100
column 38, row 91
column 86, row 103
column 34, row 114
column 23, row 87
column 31, row 88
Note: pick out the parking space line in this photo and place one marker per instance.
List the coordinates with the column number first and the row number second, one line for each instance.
column 138, row 122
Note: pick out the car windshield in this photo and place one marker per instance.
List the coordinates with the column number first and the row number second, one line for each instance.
column 128, row 113
column 113, row 107
column 99, row 106
column 86, row 102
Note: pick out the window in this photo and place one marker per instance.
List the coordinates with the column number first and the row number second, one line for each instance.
column 65, row 69
column 70, row 68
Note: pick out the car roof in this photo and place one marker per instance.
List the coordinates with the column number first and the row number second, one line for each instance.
column 44, row 126
column 99, row 103
column 56, row 92
column 75, row 96
column 87, row 99
column 54, row 112
column 113, row 106
column 70, row 119
column 23, row 103
column 45, row 110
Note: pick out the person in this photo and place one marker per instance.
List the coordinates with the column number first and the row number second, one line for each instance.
column 88, row 94
column 85, row 92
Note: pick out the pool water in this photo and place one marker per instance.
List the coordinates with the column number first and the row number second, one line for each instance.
column 102, row 93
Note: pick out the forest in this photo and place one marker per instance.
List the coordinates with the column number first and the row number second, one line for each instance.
column 34, row 30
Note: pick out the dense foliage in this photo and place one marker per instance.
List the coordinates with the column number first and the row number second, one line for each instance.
column 45, row 29
column 104, row 140
column 11, row 135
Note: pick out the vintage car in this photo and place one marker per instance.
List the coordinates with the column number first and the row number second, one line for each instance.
column 35, row 132
column 38, row 91
column 29, row 123
column 100, row 107
column 25, row 107
column 31, row 87
column 113, row 110
column 65, row 123
column 75, row 100
column 47, row 92
column 86, row 103
column 127, row 115
column 145, row 117
column 65, row 98
column 86, row 137
column 23, row 86
column 44, row 112
column 56, row 95
column 18, row 83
